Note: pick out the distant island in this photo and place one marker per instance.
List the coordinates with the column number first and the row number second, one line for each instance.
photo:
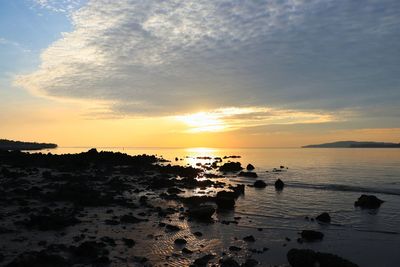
column 18, row 145
column 355, row 144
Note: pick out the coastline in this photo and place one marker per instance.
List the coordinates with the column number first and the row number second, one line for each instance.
column 129, row 197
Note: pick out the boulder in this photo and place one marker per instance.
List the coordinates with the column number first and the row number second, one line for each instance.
column 250, row 167
column 260, row 184
column 250, row 263
column 311, row 236
column 228, row 262
column 279, row 184
column 180, row 241
column 231, row 167
column 308, row 258
column 368, row 202
column 225, row 200
column 324, row 217
column 202, row 213
column 249, row 238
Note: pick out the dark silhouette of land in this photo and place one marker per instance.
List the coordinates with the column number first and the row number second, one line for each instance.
column 18, row 145
column 355, row 144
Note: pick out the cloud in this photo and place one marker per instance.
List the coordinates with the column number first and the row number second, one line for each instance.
column 229, row 119
column 60, row 6
column 170, row 57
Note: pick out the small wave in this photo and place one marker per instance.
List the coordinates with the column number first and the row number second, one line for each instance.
column 345, row 188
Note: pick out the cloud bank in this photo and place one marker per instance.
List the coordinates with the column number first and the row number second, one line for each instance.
column 168, row 57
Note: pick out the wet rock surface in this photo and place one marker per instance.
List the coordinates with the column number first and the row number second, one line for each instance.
column 309, row 258
column 368, row 202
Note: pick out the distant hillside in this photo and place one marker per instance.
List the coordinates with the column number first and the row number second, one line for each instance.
column 17, row 145
column 355, row 144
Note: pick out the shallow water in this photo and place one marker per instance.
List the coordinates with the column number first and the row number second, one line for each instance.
column 317, row 180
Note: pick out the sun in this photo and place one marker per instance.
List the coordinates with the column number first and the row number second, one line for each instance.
column 203, row 122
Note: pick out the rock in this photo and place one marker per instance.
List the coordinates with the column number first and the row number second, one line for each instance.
column 172, row 228
column 38, row 259
column 234, row 248
column 248, row 174
column 225, row 200
column 368, row 202
column 130, row 219
column 128, row 242
column 231, row 167
column 324, row 217
column 203, row 261
column 249, row 238
column 90, row 251
column 279, row 184
column 180, row 241
column 310, row 235
column 308, row 258
column 51, row 220
column 198, row 234
column 228, row 262
column 187, row 251
column 174, row 190
column 201, row 213
column 260, row 184
column 250, row 263
column 250, row 167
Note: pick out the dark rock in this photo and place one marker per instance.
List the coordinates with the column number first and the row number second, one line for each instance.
column 234, row 248
column 203, row 261
column 248, row 174
column 174, row 190
column 324, row 217
column 187, row 251
column 180, row 241
column 231, row 167
column 309, row 258
column 228, row 262
column 172, row 228
column 89, row 251
column 198, row 234
column 129, row 242
column 225, row 200
column 368, row 202
column 250, row 263
column 250, row 167
column 310, row 235
column 51, row 220
column 260, row 184
column 249, row 238
column 38, row 259
column 202, row 213
column 279, row 184
column 127, row 218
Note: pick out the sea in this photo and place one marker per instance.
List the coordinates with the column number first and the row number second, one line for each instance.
column 316, row 180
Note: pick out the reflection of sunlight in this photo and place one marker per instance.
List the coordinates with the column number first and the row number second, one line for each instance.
column 201, row 150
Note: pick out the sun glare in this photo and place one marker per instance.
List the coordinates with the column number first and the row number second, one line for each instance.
column 203, row 122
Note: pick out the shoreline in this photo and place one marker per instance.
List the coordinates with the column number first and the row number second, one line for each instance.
column 111, row 204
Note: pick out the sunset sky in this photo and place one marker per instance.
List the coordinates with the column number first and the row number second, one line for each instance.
column 227, row 73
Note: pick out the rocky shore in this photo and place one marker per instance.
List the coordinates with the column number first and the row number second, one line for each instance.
column 112, row 209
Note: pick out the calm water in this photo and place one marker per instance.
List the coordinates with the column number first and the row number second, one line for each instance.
column 317, row 180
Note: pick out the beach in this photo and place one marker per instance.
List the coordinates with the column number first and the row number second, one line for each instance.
column 110, row 209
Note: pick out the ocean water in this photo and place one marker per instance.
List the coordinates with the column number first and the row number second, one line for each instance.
column 317, row 180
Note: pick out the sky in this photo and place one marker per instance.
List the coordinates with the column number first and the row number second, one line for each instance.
column 195, row 73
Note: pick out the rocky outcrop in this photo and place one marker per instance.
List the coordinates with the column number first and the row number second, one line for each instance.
column 368, row 202
column 279, row 184
column 309, row 258
column 324, row 217
column 260, row 184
